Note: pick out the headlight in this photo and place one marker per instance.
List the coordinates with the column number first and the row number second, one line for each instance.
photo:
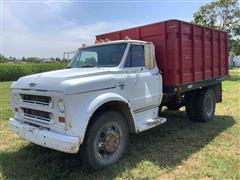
column 16, row 99
column 60, row 106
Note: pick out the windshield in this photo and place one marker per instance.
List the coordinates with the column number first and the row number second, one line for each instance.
column 100, row 56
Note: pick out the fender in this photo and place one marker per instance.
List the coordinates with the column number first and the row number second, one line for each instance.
column 97, row 103
column 104, row 98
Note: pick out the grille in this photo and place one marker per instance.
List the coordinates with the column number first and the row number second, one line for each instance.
column 36, row 99
column 35, row 109
column 37, row 116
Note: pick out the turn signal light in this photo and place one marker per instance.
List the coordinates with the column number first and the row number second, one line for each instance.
column 61, row 119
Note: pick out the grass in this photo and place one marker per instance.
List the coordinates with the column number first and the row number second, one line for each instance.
column 12, row 72
column 178, row 149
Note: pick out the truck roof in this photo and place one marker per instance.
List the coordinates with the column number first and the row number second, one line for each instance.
column 114, row 42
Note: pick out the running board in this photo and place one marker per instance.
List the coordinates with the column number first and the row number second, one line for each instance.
column 150, row 123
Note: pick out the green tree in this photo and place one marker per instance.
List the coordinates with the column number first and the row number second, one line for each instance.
column 23, row 59
column 223, row 15
column 57, row 59
column 235, row 46
column 3, row 59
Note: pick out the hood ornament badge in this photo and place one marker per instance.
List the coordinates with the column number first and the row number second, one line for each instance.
column 32, row 84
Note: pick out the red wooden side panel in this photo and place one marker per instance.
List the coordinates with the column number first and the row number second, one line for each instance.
column 184, row 52
column 198, row 53
column 172, row 58
column 207, row 55
column 216, row 54
column 112, row 36
column 186, row 72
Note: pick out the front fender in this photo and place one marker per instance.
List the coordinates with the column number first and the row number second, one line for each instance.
column 104, row 98
column 84, row 106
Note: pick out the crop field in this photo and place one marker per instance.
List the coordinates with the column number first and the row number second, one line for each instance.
column 178, row 149
column 11, row 72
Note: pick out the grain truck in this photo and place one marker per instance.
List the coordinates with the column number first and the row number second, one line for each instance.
column 118, row 85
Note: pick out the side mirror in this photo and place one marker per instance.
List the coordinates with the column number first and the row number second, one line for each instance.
column 149, row 53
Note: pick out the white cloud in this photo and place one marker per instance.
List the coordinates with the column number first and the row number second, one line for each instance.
column 24, row 43
column 19, row 39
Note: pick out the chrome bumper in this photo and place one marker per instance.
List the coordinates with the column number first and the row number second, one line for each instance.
column 46, row 138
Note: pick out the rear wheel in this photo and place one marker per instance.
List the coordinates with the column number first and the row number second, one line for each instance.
column 205, row 105
column 190, row 105
column 106, row 140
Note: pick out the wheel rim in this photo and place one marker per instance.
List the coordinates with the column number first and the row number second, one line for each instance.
column 208, row 105
column 108, row 141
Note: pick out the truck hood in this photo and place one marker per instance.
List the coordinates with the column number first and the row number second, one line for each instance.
column 69, row 81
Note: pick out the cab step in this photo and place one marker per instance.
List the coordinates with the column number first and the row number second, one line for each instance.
column 150, row 123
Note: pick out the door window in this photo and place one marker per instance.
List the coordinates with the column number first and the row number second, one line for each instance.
column 135, row 56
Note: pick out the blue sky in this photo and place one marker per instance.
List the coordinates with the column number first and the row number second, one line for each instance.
column 48, row 28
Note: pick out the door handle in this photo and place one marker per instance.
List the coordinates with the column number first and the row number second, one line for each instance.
column 155, row 73
column 121, row 84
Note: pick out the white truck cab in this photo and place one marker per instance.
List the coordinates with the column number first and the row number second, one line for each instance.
column 107, row 90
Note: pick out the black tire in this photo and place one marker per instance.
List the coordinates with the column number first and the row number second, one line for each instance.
column 106, row 140
column 205, row 105
column 190, row 105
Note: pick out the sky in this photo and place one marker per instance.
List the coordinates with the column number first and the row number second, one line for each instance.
column 47, row 28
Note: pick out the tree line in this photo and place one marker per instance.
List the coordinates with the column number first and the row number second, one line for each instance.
column 223, row 15
column 4, row 59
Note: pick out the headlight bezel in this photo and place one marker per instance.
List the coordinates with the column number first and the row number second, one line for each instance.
column 61, row 106
column 51, row 103
column 16, row 99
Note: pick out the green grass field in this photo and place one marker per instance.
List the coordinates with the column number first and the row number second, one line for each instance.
column 178, row 149
column 13, row 71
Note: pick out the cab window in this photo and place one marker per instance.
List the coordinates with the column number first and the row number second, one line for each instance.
column 135, row 56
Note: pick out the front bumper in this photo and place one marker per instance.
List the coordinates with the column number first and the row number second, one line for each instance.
column 46, row 138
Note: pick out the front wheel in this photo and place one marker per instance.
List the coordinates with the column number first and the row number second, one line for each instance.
column 106, row 140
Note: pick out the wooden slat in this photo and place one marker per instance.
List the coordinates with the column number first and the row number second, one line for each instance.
column 181, row 53
column 204, row 59
column 193, row 52
column 212, row 53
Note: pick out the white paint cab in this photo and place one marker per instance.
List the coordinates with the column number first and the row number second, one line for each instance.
column 58, row 109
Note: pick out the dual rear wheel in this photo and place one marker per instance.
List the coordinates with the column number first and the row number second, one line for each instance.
column 200, row 105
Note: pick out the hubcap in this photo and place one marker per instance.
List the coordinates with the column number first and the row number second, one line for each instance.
column 208, row 105
column 108, row 141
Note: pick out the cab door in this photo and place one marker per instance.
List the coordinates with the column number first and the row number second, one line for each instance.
column 143, row 85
